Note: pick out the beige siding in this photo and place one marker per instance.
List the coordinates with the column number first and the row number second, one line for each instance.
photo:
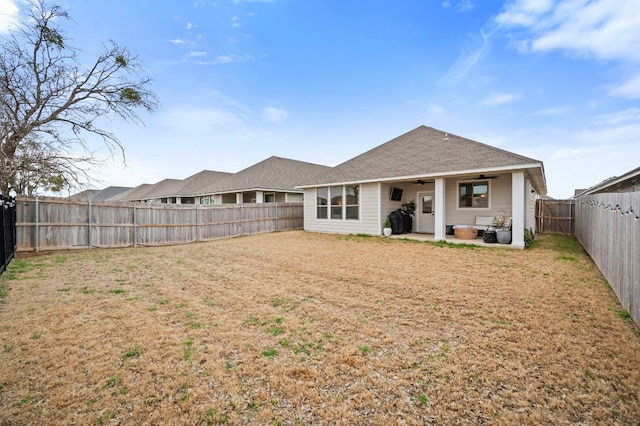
column 290, row 197
column 369, row 222
column 499, row 199
column 530, row 209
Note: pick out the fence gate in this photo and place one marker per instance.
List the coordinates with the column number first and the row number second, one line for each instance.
column 8, row 232
column 555, row 216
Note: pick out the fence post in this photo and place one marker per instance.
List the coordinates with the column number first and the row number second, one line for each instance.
column 197, row 223
column 276, row 224
column 90, row 243
column 37, row 226
column 135, row 229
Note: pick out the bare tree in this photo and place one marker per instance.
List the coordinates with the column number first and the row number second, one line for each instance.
column 50, row 103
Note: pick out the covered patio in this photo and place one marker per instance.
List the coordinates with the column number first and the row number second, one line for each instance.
column 453, row 240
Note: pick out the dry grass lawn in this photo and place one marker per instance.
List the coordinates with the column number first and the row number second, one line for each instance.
column 297, row 328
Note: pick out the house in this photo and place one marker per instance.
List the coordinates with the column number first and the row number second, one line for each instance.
column 169, row 191
column 452, row 180
column 271, row 180
column 628, row 182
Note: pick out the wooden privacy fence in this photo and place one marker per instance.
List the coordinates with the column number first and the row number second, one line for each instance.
column 8, row 232
column 608, row 228
column 555, row 216
column 54, row 223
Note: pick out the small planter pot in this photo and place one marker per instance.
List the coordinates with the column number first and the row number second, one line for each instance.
column 503, row 236
column 386, row 231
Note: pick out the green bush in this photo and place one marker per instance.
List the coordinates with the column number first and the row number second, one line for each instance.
column 528, row 237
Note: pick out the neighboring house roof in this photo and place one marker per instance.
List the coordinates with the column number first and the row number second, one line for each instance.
column 608, row 183
column 134, row 194
column 194, row 184
column 164, row 188
column 109, row 192
column 99, row 194
column 428, row 152
column 87, row 194
column 274, row 173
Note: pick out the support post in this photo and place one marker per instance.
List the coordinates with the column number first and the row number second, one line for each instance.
column 517, row 209
column 439, row 208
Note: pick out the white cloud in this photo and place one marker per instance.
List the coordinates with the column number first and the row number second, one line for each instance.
column 253, row 1
column 624, row 116
column 524, row 12
column 190, row 26
column 599, row 29
column 196, row 54
column 500, row 99
column 566, row 153
column 461, row 6
column 469, row 57
column 603, row 29
column 464, row 6
column 177, row 41
column 229, row 59
column 554, row 111
column 8, row 15
column 274, row 115
column 629, row 89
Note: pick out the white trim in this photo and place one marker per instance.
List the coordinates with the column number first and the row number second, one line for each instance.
column 419, row 214
column 474, row 209
column 380, row 222
column 517, row 209
column 440, row 206
column 428, row 175
column 343, row 205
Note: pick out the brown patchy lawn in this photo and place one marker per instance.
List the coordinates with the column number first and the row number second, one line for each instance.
column 298, row 328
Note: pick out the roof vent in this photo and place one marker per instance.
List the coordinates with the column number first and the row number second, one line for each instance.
column 446, row 137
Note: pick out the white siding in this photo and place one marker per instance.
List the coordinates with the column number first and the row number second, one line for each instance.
column 369, row 222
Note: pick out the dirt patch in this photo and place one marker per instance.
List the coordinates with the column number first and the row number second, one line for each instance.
column 297, row 328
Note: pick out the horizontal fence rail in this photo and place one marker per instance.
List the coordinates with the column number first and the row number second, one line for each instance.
column 55, row 223
column 8, row 233
column 608, row 228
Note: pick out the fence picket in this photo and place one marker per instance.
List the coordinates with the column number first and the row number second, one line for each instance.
column 608, row 228
column 55, row 223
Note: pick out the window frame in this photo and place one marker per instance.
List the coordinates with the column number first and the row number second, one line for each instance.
column 473, row 183
column 325, row 206
column 330, row 209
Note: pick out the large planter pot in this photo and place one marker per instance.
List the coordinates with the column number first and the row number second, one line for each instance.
column 462, row 232
column 503, row 236
column 386, row 231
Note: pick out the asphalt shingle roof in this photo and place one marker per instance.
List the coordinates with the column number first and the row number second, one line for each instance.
column 274, row 173
column 422, row 151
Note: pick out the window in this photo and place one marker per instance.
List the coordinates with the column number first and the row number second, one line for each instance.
column 207, row 200
column 352, row 202
column 338, row 202
column 474, row 195
column 321, row 203
column 269, row 197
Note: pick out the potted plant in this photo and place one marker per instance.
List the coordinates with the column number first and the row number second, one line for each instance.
column 409, row 207
column 387, row 227
column 502, row 223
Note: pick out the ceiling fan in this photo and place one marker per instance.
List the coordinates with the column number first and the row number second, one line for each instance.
column 420, row 182
column 482, row 177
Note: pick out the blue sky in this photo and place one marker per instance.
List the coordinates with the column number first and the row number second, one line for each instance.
column 324, row 80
